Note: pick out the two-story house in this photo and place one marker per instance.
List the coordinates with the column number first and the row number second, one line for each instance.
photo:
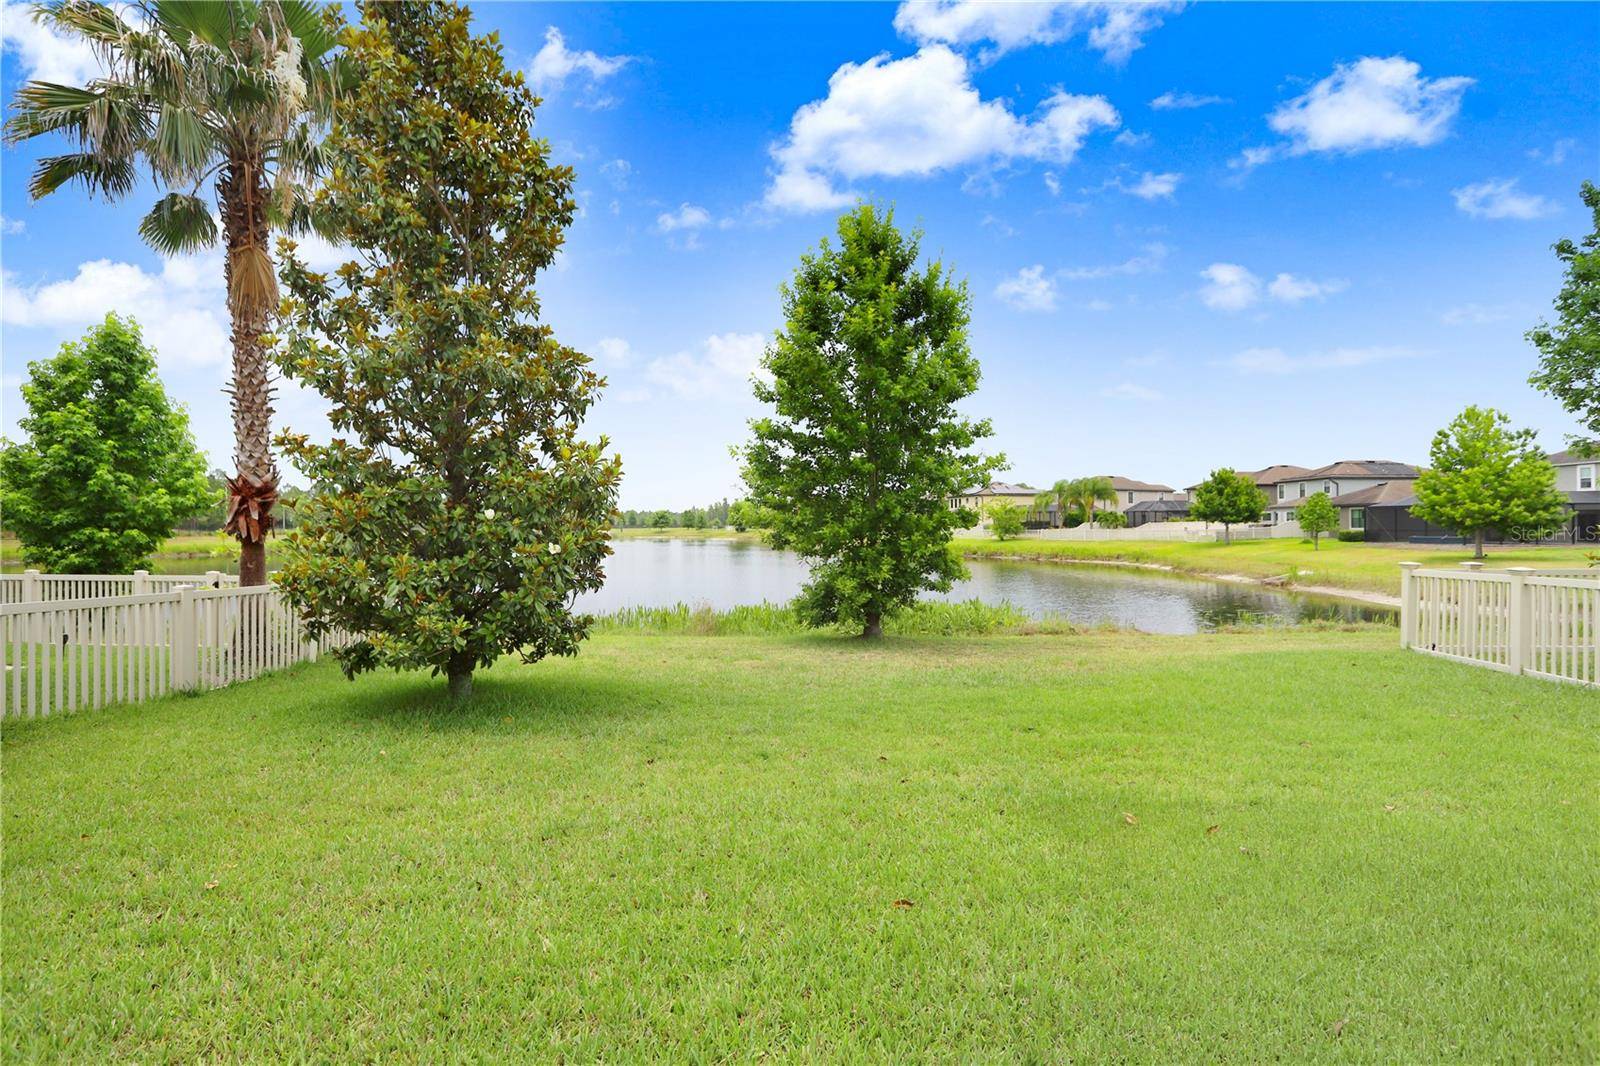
column 1130, row 492
column 1352, row 484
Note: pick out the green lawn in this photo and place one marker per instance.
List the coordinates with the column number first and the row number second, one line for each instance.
column 1271, row 846
column 1368, row 567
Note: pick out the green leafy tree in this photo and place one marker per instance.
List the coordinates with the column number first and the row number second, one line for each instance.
column 109, row 467
column 1484, row 476
column 1229, row 498
column 662, row 520
column 865, row 445
column 1087, row 492
column 1112, row 520
column 1317, row 515
column 743, row 515
column 231, row 90
column 1005, row 519
column 456, row 512
column 1569, row 351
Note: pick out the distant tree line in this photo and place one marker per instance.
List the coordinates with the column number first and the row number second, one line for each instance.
column 711, row 516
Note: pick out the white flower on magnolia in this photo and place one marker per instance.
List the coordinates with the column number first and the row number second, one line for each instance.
column 555, row 549
column 488, row 514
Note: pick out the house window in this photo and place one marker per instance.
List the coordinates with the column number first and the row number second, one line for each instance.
column 1280, row 492
column 1302, row 490
column 1358, row 518
column 1327, row 486
column 1130, row 497
column 1586, row 477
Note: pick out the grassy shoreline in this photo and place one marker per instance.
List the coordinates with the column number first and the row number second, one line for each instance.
column 1104, row 846
column 1336, row 565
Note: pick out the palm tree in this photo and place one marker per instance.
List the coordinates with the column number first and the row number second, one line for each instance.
column 1088, row 491
column 231, row 90
column 1058, row 496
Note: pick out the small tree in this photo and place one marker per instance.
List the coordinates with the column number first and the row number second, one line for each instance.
column 865, row 445
column 1228, row 498
column 1086, row 492
column 1485, row 476
column 466, row 514
column 1112, row 520
column 1005, row 519
column 1317, row 515
column 662, row 520
column 1569, row 363
column 1058, row 496
column 109, row 467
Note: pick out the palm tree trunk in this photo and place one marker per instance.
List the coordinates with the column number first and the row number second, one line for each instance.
column 254, row 489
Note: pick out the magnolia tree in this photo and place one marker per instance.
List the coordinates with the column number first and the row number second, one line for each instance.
column 865, row 445
column 458, row 513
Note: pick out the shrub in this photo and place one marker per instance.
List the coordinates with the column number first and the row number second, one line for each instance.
column 1005, row 520
column 1111, row 520
column 1352, row 534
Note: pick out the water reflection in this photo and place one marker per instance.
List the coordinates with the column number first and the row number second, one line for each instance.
column 725, row 573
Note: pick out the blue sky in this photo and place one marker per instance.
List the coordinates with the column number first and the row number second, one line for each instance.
column 1220, row 234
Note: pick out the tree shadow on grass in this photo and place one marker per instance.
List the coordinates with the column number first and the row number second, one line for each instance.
column 510, row 698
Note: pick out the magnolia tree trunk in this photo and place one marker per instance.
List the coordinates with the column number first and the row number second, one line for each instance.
column 252, row 294
column 874, row 624
column 1477, row 545
column 459, row 674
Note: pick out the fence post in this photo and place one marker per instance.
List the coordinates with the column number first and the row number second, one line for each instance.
column 213, row 579
column 32, row 587
column 141, row 582
column 1468, row 564
column 1520, row 630
column 185, row 647
column 1408, row 604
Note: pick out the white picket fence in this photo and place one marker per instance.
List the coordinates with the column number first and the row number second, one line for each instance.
column 1545, row 623
column 32, row 586
column 65, row 654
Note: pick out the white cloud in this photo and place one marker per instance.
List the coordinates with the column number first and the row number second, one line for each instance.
column 1154, row 255
column 915, row 117
column 1052, row 183
column 1176, row 101
column 1289, row 289
column 555, row 63
column 613, row 351
column 1277, row 362
column 1229, row 287
column 1114, row 29
column 1371, row 103
column 686, row 217
column 1251, row 158
column 1476, row 315
column 722, row 368
column 12, row 226
column 1130, row 139
column 182, row 310
column 617, row 172
column 1028, row 290
column 1129, row 390
column 41, row 52
column 1499, row 198
column 1154, row 186
column 1556, row 154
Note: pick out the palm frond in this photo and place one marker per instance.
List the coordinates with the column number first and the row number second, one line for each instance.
column 251, row 285
column 179, row 223
column 100, row 175
column 310, row 23
column 209, row 21
column 43, row 107
column 182, row 147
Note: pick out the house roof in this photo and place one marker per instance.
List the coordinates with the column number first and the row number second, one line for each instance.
column 1000, row 488
column 1384, row 468
column 1377, row 495
column 1569, row 458
column 1271, row 475
column 1160, row 507
column 1128, row 484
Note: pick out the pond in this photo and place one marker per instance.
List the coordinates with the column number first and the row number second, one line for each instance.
column 725, row 573
column 658, row 572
